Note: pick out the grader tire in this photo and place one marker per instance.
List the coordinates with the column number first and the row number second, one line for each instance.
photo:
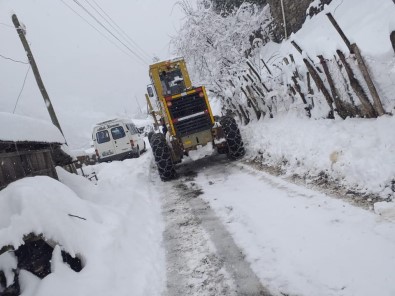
column 162, row 155
column 233, row 138
column 149, row 136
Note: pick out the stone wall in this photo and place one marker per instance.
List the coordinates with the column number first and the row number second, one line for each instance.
column 226, row 6
column 295, row 13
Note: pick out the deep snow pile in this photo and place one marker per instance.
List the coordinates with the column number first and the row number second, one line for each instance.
column 354, row 153
column 366, row 23
column 17, row 128
column 119, row 241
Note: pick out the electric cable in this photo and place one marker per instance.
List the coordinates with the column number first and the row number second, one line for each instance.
column 109, row 31
column 16, row 61
column 120, row 30
column 6, row 25
column 134, row 45
column 114, row 28
column 20, row 92
column 97, row 30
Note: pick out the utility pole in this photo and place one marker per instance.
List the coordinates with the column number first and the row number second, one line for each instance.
column 138, row 104
column 284, row 21
column 47, row 101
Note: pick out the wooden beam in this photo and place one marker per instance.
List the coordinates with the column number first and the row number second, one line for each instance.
column 366, row 75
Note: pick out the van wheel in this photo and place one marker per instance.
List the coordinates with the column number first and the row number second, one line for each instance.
column 137, row 154
column 162, row 157
column 233, row 138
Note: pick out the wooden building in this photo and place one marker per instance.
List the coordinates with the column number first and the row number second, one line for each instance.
column 29, row 147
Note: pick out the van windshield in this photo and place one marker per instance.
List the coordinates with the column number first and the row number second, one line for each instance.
column 117, row 132
column 102, row 137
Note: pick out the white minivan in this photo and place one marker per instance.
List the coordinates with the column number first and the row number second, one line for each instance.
column 117, row 139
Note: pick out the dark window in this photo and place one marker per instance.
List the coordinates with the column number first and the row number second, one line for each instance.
column 172, row 82
column 117, row 132
column 133, row 129
column 102, row 137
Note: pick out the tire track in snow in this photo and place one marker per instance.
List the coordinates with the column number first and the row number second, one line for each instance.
column 202, row 258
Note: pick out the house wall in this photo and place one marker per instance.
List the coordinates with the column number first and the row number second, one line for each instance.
column 19, row 164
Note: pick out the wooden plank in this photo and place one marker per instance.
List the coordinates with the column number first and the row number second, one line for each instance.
column 356, row 86
column 366, row 75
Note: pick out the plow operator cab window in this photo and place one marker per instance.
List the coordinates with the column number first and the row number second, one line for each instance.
column 172, row 82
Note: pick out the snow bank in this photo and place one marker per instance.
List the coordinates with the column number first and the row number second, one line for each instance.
column 18, row 128
column 364, row 22
column 356, row 153
column 118, row 235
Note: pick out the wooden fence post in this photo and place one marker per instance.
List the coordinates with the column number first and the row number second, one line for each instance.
column 268, row 70
column 335, row 94
column 340, row 31
column 257, row 75
column 365, row 72
column 318, row 81
column 251, row 103
column 362, row 66
column 367, row 106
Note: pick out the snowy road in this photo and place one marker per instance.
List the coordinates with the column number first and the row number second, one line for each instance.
column 221, row 228
column 202, row 257
column 232, row 230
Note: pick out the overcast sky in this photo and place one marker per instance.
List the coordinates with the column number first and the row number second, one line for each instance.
column 88, row 79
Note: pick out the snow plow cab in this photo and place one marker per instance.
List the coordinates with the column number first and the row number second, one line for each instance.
column 186, row 118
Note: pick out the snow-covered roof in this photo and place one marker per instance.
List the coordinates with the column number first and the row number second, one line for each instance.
column 18, row 128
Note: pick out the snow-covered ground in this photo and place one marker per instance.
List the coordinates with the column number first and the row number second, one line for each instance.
column 118, row 239
column 297, row 241
column 300, row 242
column 358, row 154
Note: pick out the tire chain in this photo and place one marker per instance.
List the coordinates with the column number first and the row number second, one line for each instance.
column 233, row 138
column 162, row 157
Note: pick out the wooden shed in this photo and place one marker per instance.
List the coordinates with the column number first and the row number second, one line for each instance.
column 29, row 147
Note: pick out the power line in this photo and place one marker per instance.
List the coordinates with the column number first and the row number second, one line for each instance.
column 16, row 61
column 111, row 33
column 97, row 30
column 135, row 44
column 23, row 86
column 6, row 25
column 138, row 49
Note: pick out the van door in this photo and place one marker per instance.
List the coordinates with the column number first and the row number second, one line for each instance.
column 137, row 137
column 103, row 143
column 121, row 140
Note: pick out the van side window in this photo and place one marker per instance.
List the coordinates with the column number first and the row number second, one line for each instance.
column 117, row 132
column 133, row 129
column 102, row 137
